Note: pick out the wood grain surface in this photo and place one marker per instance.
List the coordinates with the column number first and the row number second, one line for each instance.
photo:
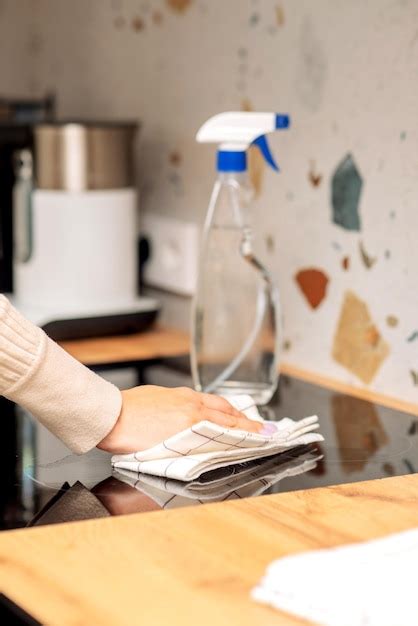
column 191, row 566
column 154, row 343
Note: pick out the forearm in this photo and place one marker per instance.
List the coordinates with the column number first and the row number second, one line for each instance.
column 75, row 404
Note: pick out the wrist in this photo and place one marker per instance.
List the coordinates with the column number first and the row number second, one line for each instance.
column 112, row 441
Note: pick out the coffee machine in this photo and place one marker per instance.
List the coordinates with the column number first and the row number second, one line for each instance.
column 75, row 212
column 75, row 252
column 74, row 257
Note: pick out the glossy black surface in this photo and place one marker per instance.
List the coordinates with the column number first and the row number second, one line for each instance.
column 101, row 326
column 42, row 483
column 14, row 615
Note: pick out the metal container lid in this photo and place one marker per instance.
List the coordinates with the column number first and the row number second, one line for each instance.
column 77, row 155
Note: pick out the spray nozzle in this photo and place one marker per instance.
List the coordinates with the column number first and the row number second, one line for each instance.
column 236, row 131
column 261, row 143
column 282, row 121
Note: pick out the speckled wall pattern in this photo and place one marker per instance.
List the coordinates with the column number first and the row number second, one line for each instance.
column 339, row 224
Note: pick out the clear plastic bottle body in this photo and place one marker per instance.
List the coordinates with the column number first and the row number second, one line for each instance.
column 236, row 314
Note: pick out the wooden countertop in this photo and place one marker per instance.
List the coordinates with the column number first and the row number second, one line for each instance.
column 194, row 565
column 154, row 343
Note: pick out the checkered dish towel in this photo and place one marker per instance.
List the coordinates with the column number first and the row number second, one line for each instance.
column 207, row 446
column 251, row 478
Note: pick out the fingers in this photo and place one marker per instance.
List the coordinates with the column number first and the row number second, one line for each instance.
column 230, row 421
column 219, row 411
column 220, row 404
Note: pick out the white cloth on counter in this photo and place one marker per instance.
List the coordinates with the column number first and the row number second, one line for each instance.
column 207, row 446
column 251, row 478
column 365, row 584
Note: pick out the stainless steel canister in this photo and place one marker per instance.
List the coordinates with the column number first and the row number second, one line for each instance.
column 76, row 156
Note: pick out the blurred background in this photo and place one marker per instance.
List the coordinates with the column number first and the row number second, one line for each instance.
column 338, row 225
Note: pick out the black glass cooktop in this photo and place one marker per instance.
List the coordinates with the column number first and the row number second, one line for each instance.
column 42, row 483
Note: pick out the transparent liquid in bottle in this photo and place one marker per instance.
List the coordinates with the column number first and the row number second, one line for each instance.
column 235, row 318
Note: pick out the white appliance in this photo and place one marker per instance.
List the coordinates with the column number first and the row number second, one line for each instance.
column 76, row 238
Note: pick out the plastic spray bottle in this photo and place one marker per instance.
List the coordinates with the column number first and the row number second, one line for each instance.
column 236, row 319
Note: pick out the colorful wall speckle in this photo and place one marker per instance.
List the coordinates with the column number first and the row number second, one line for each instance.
column 339, row 225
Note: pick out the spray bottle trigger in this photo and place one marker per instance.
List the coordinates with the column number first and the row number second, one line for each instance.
column 261, row 143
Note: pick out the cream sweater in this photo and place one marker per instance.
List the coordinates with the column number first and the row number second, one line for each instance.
column 75, row 404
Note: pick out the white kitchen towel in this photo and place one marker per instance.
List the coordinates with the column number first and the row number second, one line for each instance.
column 207, row 446
column 365, row 584
column 243, row 480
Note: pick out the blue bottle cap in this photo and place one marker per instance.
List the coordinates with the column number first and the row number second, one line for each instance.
column 231, row 161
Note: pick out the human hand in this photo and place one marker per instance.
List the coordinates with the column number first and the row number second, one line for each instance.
column 151, row 414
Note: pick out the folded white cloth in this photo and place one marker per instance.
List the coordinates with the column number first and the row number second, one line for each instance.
column 207, row 446
column 228, row 483
column 371, row 583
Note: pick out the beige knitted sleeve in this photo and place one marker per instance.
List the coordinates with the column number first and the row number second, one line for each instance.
column 75, row 404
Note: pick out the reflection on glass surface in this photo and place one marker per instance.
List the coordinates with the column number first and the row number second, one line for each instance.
column 360, row 432
column 129, row 492
column 242, row 480
column 42, row 482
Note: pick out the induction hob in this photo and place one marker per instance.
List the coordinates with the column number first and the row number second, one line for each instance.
column 43, row 483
